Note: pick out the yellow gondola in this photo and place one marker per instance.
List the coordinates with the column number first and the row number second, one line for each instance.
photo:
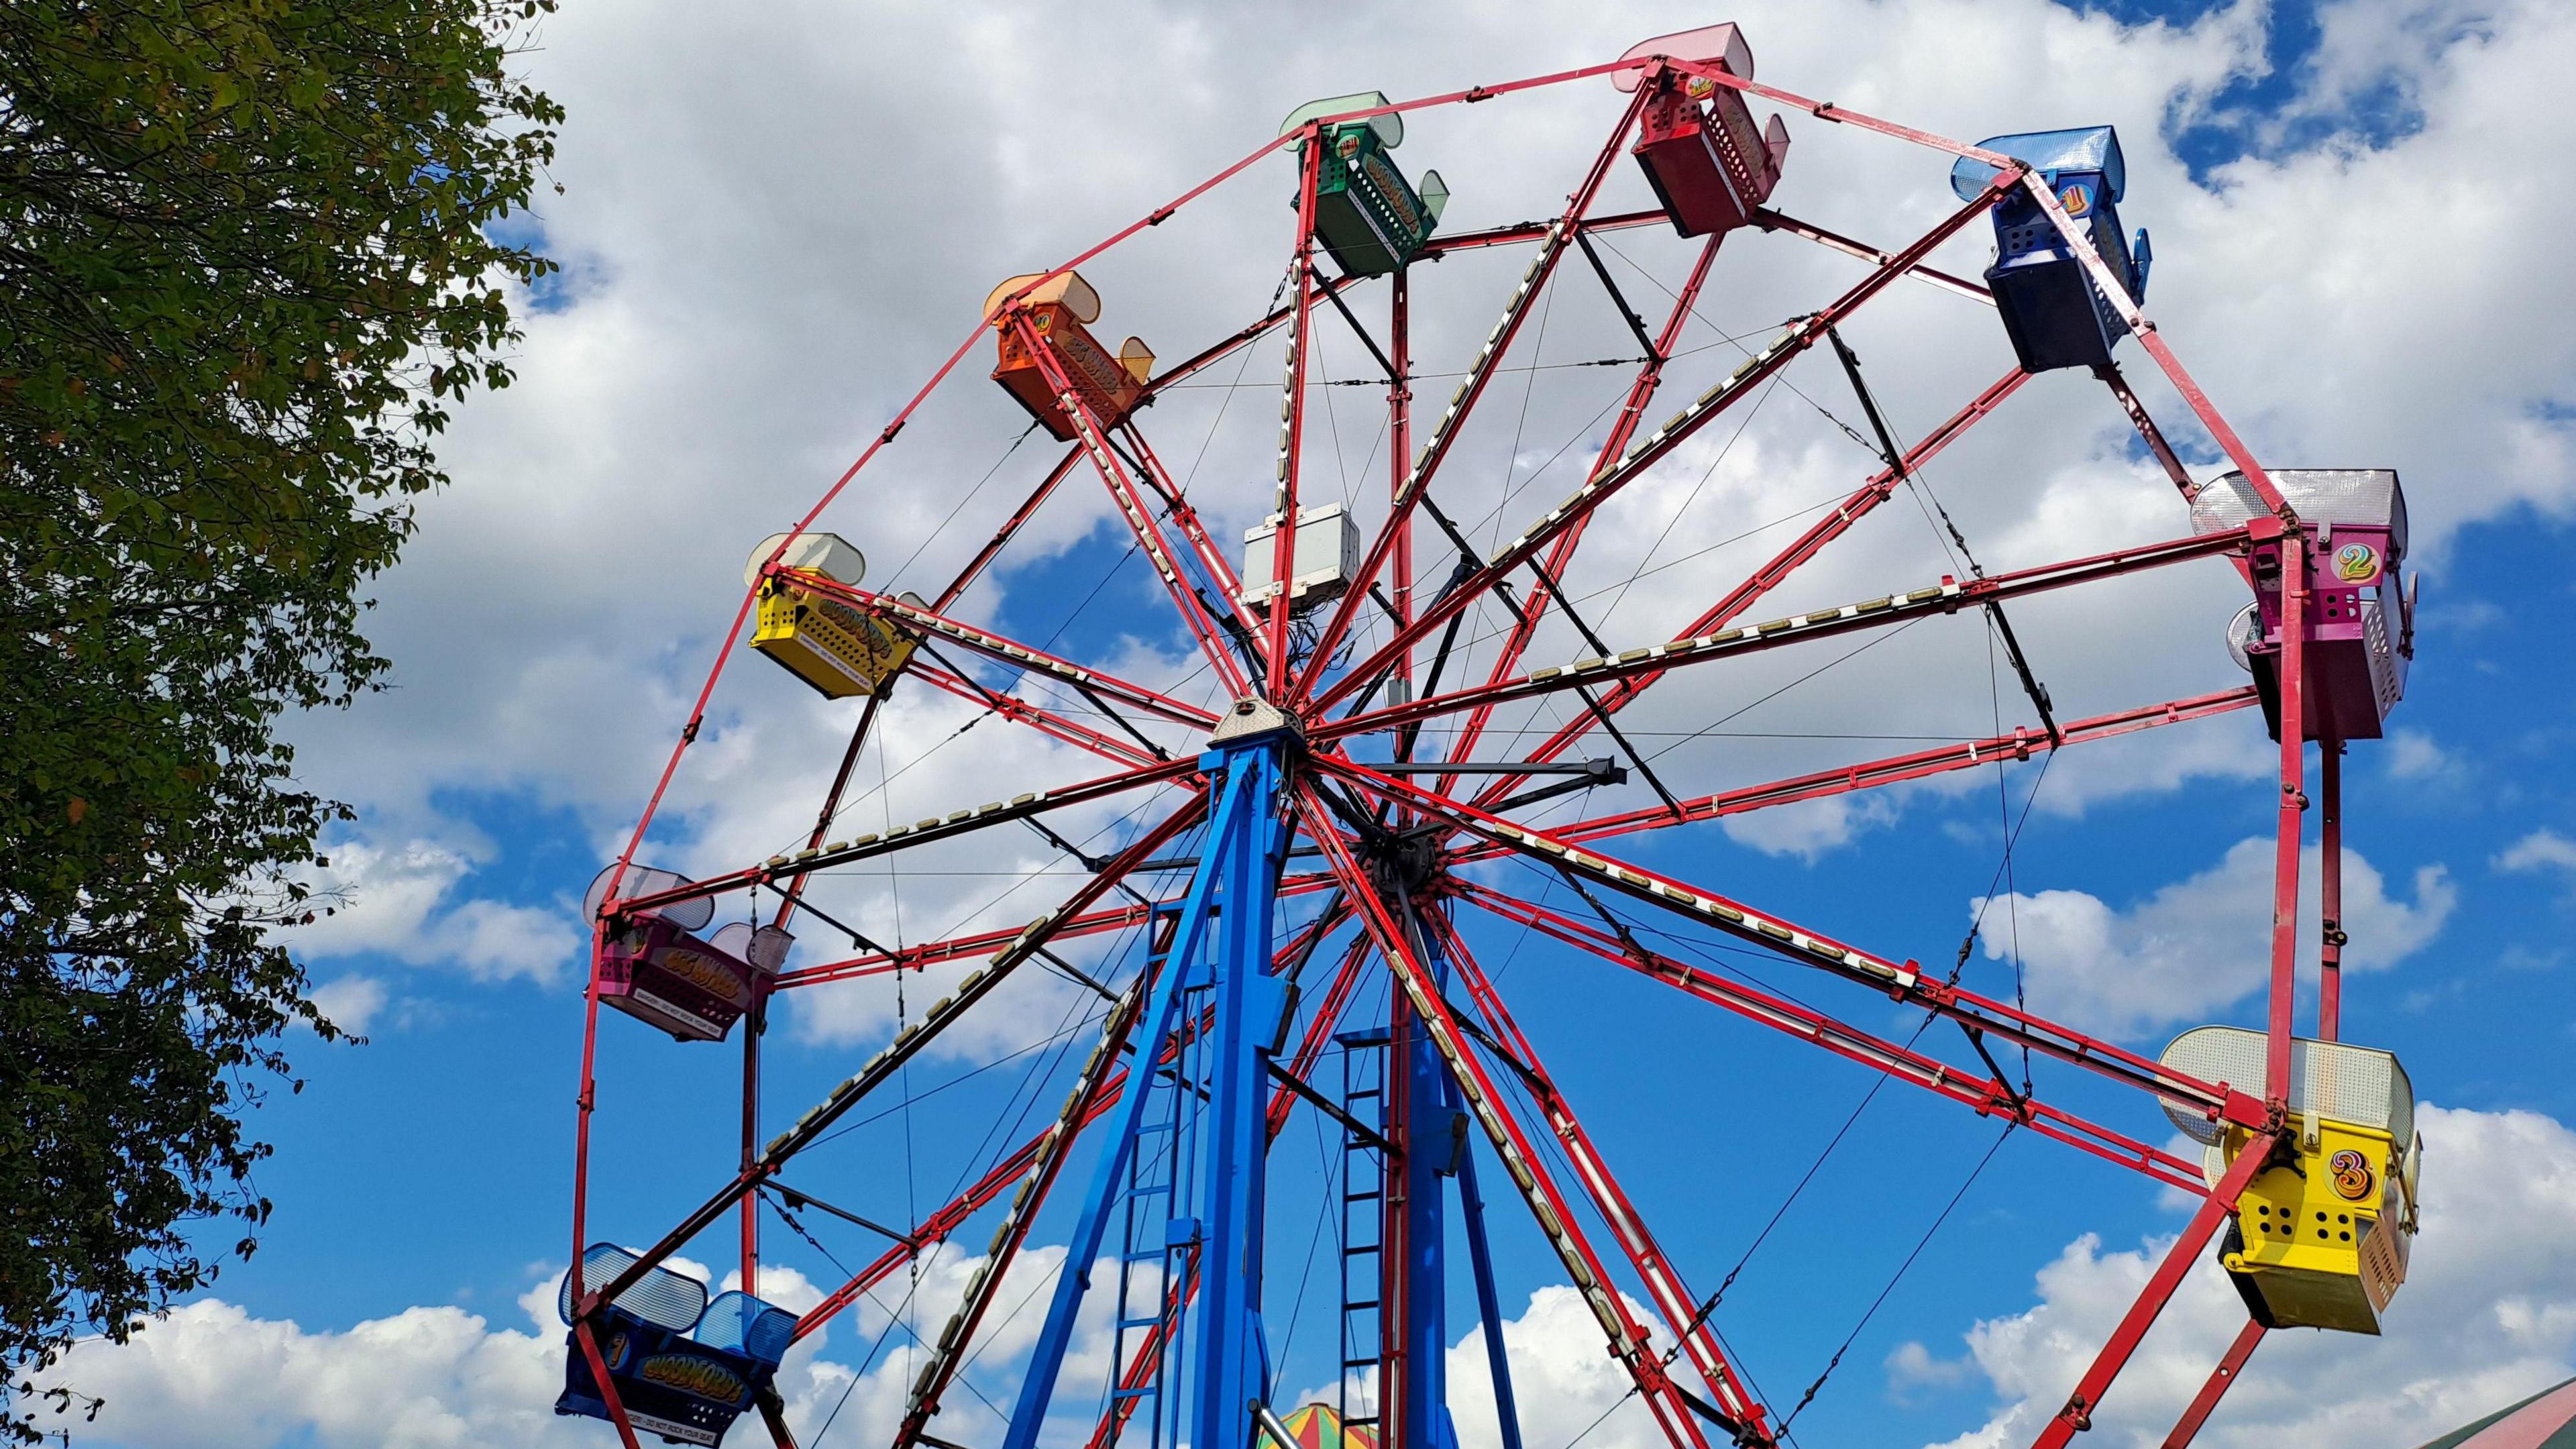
column 838, row 650
column 2321, row 1235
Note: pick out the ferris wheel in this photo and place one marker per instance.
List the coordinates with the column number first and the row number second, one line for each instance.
column 1283, row 920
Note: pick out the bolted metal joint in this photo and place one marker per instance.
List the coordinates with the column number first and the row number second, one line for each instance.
column 1251, row 716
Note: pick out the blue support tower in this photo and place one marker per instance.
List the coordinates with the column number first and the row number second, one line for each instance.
column 1430, row 1119
column 1182, row 1164
column 1217, row 969
column 1423, row 1118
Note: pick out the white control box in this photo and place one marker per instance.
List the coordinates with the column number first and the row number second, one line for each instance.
column 1327, row 557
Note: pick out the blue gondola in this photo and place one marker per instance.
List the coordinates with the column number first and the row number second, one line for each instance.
column 684, row 1367
column 2052, row 310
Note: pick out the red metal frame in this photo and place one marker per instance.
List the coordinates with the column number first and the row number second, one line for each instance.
column 2214, row 1209
column 1987, row 1096
column 1323, row 696
column 2020, row 745
column 1628, row 1342
column 1132, row 507
column 2221, row 1379
column 1947, row 597
column 1849, row 512
column 1600, row 488
column 1418, row 477
column 1902, row 981
column 1650, row 375
column 1671, row 1297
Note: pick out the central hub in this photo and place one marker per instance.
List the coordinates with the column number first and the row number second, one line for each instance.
column 1251, row 716
column 1402, row 864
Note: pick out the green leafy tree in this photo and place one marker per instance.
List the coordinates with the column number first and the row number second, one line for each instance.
column 246, row 264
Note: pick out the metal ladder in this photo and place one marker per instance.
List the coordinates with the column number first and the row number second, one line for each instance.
column 1362, row 1238
column 1154, row 1229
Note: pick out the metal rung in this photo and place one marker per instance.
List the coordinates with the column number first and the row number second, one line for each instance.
column 1356, row 1249
column 1364, row 1092
column 1372, row 1195
column 1352, row 1363
column 1130, row 1393
column 1356, row 1307
column 1140, row 1322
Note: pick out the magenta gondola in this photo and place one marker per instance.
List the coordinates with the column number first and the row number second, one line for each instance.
column 655, row 968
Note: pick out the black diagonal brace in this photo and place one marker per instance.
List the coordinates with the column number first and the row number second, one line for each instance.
column 1628, row 314
column 1385, row 364
column 1593, row 641
column 1895, row 457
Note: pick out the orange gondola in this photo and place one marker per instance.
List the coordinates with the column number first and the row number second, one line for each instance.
column 1055, row 310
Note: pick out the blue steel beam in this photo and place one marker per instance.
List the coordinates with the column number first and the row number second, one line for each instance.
column 1422, row 1118
column 1222, row 944
column 1488, row 1300
column 1233, row 1358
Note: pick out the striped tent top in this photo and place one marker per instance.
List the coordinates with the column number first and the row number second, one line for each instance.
column 1318, row 1427
column 2546, row 1420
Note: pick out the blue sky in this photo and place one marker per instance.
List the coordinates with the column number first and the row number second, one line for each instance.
column 754, row 278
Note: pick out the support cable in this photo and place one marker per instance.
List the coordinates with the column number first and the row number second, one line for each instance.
column 933, row 535
column 1591, row 701
column 1736, row 340
column 1895, row 457
column 1876, row 1303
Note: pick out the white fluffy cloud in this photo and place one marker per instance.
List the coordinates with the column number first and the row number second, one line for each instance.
column 2197, row 946
column 752, row 287
column 1563, row 1379
column 2541, row 850
column 401, row 902
column 2416, row 755
column 214, row 1376
column 351, row 1002
column 2485, row 1318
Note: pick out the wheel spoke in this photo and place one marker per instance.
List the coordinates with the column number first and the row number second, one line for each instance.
column 1742, row 597
column 886, row 1063
column 1045, row 721
column 1664, row 1287
column 1892, row 609
column 1435, row 449
column 984, row 943
column 1770, row 220
column 1132, row 507
column 1600, row 488
column 1903, row 981
column 1513, row 1142
column 905, row 837
column 1006, row 651
column 1987, row 1096
column 1560, row 555
column 2020, row 744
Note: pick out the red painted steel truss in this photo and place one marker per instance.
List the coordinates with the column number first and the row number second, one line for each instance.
column 1147, row 739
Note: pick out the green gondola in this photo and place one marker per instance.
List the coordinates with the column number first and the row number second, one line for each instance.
column 1367, row 214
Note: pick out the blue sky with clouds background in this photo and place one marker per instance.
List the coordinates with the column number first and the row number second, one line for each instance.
column 774, row 224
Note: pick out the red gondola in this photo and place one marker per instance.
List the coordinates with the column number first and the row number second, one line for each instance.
column 1708, row 162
